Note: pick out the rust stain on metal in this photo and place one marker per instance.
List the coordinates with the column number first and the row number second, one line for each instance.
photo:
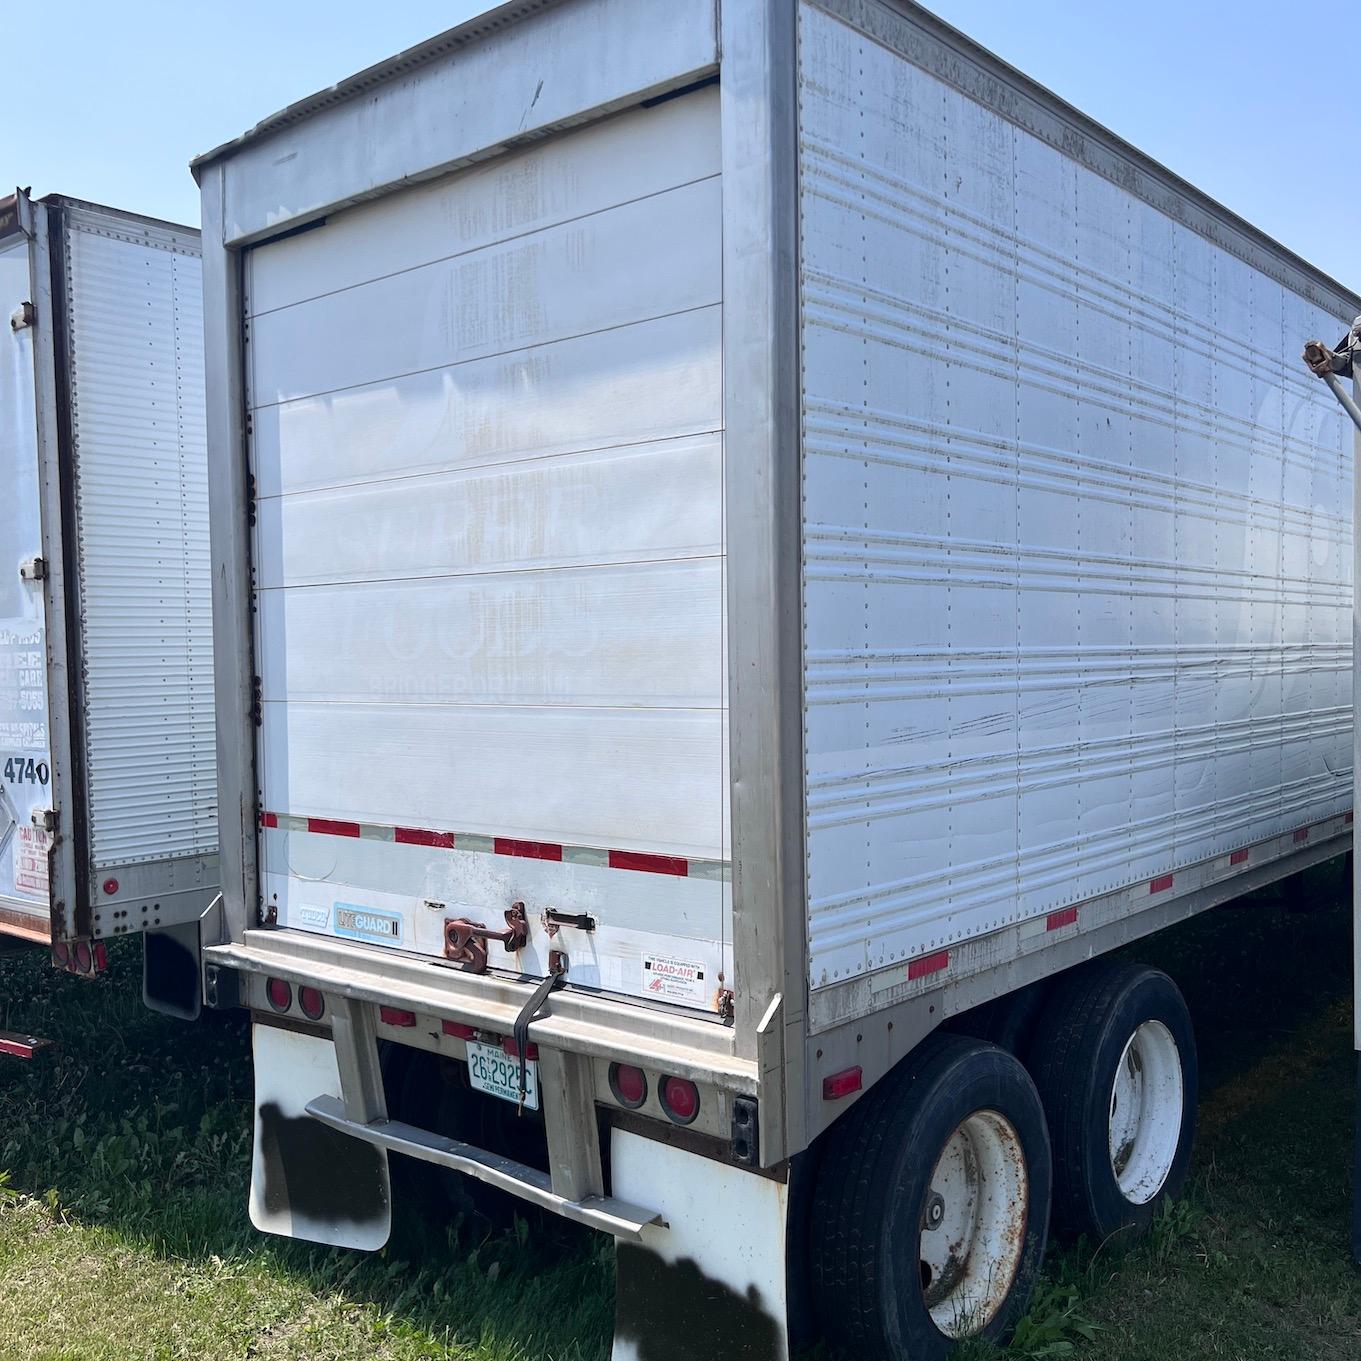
column 465, row 942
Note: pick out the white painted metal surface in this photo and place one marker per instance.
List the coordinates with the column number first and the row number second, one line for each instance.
column 135, row 357
column 972, row 1235
column 292, row 1068
column 717, row 1268
column 1077, row 551
column 1148, row 1101
column 486, row 437
column 25, row 751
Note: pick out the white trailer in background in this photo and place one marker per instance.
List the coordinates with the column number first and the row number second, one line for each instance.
column 751, row 543
column 107, row 782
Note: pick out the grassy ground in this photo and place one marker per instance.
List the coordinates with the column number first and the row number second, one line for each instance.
column 124, row 1157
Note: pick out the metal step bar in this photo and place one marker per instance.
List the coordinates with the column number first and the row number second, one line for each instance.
column 613, row 1216
column 574, row 1189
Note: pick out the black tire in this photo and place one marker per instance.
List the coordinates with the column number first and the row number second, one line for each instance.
column 868, row 1238
column 1079, row 1043
column 1008, row 1022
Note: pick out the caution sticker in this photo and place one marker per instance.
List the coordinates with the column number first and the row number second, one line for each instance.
column 675, row 980
column 30, row 861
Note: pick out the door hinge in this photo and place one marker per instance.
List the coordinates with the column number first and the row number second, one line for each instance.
column 35, row 569
column 45, row 819
column 22, row 316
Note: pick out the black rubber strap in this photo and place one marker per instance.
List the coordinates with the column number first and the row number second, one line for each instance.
column 527, row 1013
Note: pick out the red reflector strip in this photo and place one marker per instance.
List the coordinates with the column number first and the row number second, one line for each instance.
column 331, row 827
column 649, row 864
column 457, row 1029
column 1161, row 884
column 512, row 1050
column 1239, row 857
column 646, row 862
column 842, row 1084
column 927, row 964
column 396, row 1016
column 1055, row 921
column 529, row 850
column 1301, row 834
column 414, row 836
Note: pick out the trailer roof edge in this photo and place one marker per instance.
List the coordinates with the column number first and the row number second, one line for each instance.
column 936, row 31
column 502, row 16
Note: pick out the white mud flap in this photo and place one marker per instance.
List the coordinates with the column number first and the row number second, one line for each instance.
column 307, row 1180
column 712, row 1283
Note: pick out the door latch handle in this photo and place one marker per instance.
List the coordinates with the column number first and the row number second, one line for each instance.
column 465, row 942
column 554, row 920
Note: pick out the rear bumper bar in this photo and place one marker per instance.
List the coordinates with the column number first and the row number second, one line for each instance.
column 579, row 1022
column 612, row 1216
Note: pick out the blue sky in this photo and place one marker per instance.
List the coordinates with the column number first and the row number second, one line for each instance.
column 1249, row 101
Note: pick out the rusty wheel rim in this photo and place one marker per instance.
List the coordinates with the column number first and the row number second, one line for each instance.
column 1147, row 1103
column 973, row 1224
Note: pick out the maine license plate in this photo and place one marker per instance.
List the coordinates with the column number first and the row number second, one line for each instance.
column 492, row 1070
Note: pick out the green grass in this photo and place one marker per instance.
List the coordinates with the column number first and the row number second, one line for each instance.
column 124, row 1159
column 123, row 1228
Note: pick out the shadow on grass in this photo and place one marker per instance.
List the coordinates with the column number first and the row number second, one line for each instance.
column 142, row 1125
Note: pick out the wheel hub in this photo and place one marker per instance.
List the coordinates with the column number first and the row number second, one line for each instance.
column 1146, row 1107
column 973, row 1224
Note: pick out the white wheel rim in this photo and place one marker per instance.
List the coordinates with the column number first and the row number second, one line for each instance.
column 973, row 1224
column 1147, row 1101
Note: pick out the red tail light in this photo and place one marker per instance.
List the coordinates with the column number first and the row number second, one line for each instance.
column 84, row 958
column 508, row 1046
column 313, row 1004
column 280, row 994
column 396, row 1016
column 629, row 1085
column 680, row 1099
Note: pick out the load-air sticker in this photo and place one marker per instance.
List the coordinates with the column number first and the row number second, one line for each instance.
column 366, row 923
column 675, row 980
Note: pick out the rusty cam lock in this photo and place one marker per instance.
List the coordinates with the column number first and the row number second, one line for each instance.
column 465, row 942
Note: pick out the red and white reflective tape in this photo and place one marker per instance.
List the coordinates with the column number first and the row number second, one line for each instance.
column 643, row 862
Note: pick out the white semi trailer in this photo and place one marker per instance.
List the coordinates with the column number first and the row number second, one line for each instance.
column 108, row 789
column 751, row 545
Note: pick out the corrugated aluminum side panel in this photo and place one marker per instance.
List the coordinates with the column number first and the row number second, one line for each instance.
column 135, row 353
column 25, row 749
column 1077, row 543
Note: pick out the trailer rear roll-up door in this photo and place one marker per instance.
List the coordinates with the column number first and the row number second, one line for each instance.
column 489, row 557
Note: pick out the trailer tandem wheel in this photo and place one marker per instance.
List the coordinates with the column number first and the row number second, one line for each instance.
column 931, row 1207
column 1114, row 1060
